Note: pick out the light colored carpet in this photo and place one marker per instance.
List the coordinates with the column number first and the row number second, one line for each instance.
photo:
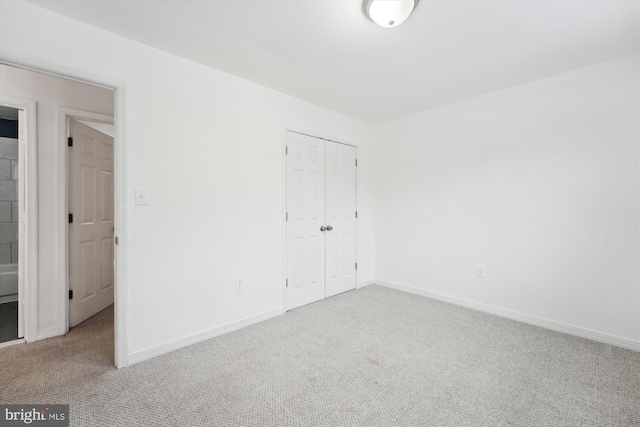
column 373, row 357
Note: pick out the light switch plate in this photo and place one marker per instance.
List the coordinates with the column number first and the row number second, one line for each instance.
column 141, row 197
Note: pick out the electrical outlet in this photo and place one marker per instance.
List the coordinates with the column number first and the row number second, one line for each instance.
column 239, row 283
column 480, row 271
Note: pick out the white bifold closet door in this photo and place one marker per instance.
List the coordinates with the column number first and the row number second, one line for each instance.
column 321, row 219
column 340, row 215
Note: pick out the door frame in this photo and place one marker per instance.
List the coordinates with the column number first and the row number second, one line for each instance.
column 288, row 128
column 120, row 196
column 28, row 233
column 65, row 115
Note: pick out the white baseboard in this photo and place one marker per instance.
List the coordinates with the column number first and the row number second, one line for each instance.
column 365, row 283
column 521, row 317
column 139, row 356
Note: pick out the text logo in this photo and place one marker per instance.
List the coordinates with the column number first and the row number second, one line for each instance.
column 34, row 415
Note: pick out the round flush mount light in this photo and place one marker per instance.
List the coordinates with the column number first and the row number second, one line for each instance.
column 389, row 13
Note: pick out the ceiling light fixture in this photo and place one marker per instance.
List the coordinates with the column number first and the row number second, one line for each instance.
column 389, row 13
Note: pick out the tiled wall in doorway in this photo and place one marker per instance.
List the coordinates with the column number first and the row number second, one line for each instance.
column 8, row 201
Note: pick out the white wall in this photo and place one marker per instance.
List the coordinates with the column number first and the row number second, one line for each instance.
column 538, row 183
column 207, row 146
column 100, row 127
column 50, row 93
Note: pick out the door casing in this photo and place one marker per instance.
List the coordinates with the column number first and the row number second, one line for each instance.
column 64, row 116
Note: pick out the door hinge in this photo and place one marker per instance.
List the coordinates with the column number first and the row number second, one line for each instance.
column 287, row 283
column 116, row 240
column 70, row 142
column 70, row 294
column 286, row 216
column 286, row 150
column 356, row 162
column 70, row 218
column 356, row 265
column 356, row 214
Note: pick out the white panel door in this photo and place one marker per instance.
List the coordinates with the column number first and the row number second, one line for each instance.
column 305, row 217
column 340, row 218
column 91, row 232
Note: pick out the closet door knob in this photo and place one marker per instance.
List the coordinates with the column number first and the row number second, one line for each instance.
column 323, row 228
column 329, row 228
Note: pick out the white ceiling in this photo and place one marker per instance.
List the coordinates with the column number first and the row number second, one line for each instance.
column 329, row 53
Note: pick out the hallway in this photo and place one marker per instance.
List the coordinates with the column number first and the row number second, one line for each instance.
column 62, row 366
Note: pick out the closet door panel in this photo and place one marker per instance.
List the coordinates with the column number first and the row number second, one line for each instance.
column 305, row 217
column 340, row 218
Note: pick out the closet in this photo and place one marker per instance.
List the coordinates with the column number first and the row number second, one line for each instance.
column 321, row 217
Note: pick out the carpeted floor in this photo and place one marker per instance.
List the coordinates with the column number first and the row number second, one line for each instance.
column 373, row 357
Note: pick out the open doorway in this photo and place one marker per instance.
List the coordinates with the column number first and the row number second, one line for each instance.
column 11, row 313
column 62, row 103
column 18, row 218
